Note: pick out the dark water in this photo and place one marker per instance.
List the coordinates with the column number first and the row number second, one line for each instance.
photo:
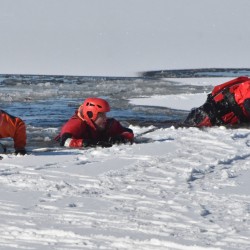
column 48, row 101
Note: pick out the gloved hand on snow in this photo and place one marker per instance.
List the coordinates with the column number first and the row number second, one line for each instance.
column 21, row 151
column 104, row 144
column 125, row 137
column 94, row 143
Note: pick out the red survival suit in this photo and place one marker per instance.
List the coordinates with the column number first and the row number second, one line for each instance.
column 13, row 127
column 228, row 103
column 81, row 134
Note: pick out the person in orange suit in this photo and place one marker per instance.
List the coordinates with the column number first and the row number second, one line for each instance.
column 227, row 104
column 13, row 127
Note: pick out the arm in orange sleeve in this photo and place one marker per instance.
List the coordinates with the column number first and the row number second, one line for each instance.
column 14, row 128
column 20, row 134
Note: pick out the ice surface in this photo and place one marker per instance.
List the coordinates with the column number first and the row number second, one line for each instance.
column 184, row 188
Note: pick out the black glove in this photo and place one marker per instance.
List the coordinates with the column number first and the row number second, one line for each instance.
column 117, row 139
column 104, row 144
column 125, row 137
column 95, row 143
column 20, row 151
column 246, row 105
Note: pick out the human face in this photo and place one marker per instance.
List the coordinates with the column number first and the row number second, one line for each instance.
column 101, row 121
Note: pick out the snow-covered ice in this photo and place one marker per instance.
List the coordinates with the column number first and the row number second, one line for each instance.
column 184, row 188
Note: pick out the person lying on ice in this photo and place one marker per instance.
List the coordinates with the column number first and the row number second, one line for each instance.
column 13, row 127
column 89, row 126
column 227, row 104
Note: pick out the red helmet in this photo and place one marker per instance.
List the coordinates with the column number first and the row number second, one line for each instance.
column 90, row 108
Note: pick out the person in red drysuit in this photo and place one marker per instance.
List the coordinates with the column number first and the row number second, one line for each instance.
column 227, row 104
column 89, row 126
column 13, row 127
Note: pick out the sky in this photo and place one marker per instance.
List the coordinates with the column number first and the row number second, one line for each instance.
column 121, row 38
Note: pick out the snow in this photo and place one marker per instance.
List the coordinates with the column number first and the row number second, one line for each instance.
column 182, row 102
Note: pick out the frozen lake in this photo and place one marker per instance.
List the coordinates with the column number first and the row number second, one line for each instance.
column 45, row 103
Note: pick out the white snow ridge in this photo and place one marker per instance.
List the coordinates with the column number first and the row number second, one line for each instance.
column 186, row 189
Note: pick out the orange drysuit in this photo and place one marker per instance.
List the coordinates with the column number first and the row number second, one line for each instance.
column 14, row 127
